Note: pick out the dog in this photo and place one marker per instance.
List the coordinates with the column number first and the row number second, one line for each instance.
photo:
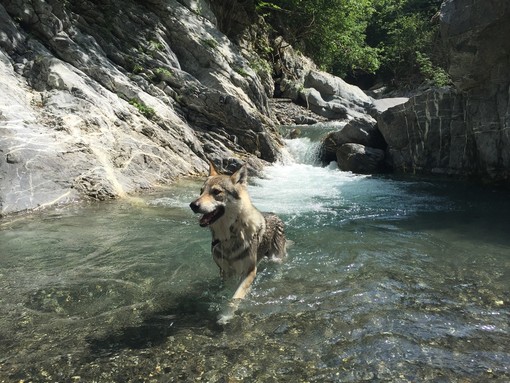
column 241, row 235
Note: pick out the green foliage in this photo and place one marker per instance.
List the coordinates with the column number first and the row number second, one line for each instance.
column 145, row 110
column 211, row 43
column 155, row 45
column 260, row 66
column 405, row 35
column 332, row 32
column 161, row 74
column 437, row 76
column 137, row 68
column 241, row 71
column 264, row 5
column 379, row 37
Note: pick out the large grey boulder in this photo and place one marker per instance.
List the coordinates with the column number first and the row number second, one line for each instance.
column 363, row 131
column 329, row 96
column 360, row 159
column 105, row 99
column 335, row 90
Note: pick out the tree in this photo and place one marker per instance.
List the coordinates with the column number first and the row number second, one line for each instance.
column 407, row 37
column 331, row 32
column 394, row 40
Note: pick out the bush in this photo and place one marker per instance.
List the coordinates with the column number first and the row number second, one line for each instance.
column 145, row 110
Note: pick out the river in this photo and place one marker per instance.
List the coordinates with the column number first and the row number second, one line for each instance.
column 388, row 280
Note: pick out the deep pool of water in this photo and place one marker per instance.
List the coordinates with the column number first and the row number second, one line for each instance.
column 388, row 280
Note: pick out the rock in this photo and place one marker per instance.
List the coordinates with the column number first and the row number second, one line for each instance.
column 314, row 101
column 475, row 37
column 326, row 95
column 291, row 68
column 460, row 131
column 334, row 89
column 333, row 98
column 287, row 112
column 382, row 104
column 360, row 159
column 362, row 131
column 426, row 134
column 91, row 108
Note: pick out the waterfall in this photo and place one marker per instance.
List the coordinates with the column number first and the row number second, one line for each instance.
column 302, row 151
column 305, row 148
column 298, row 184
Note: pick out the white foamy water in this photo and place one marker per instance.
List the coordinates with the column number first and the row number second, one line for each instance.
column 298, row 188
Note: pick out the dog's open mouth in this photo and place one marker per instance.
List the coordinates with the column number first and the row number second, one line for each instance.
column 210, row 218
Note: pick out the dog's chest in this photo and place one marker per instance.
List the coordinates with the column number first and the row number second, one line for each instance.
column 233, row 246
column 239, row 246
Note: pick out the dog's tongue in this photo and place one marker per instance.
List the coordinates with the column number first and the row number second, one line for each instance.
column 206, row 219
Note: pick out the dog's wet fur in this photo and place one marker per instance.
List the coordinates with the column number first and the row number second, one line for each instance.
column 241, row 235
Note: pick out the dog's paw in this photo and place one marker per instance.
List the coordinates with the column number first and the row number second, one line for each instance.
column 224, row 319
column 228, row 313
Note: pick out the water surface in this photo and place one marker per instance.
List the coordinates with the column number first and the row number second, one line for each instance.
column 388, row 280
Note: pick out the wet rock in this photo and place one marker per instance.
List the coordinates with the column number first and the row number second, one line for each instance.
column 363, row 131
column 360, row 159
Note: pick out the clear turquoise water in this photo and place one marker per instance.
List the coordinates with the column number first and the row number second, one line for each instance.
column 388, row 280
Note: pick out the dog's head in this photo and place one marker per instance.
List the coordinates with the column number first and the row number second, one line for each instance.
column 221, row 195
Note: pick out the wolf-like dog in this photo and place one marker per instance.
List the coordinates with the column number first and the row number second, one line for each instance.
column 241, row 235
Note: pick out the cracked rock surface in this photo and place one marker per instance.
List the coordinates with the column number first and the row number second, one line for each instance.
column 103, row 99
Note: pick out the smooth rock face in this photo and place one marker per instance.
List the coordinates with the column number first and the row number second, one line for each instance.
column 103, row 99
column 426, row 134
column 476, row 34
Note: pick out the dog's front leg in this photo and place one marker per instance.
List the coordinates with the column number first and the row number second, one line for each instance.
column 240, row 293
column 245, row 284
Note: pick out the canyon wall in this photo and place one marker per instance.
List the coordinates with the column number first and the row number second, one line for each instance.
column 102, row 99
column 463, row 130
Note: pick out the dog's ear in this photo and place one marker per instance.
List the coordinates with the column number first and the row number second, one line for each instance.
column 212, row 169
column 241, row 176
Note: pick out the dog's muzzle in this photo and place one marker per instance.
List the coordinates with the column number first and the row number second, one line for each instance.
column 208, row 218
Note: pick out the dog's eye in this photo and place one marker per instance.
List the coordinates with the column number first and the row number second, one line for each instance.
column 216, row 191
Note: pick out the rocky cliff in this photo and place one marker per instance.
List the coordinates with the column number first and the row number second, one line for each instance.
column 104, row 98
column 463, row 130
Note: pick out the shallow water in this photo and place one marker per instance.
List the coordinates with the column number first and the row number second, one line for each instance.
column 388, row 280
